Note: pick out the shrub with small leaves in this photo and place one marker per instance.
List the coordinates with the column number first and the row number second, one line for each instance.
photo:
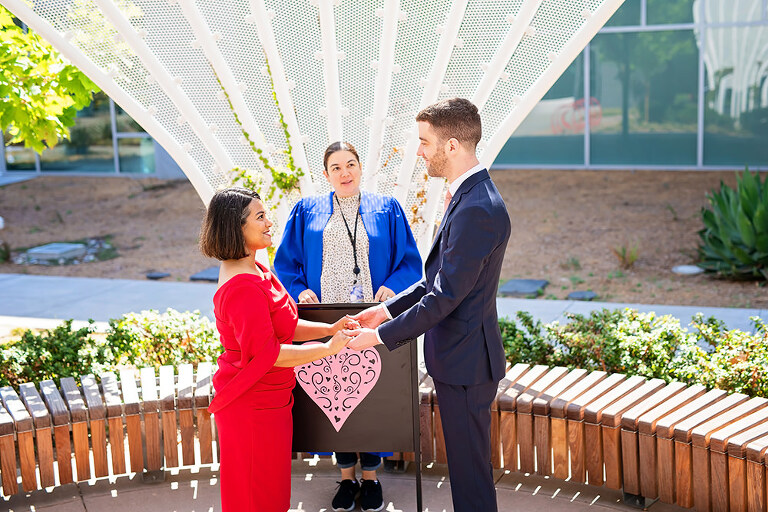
column 627, row 341
column 53, row 354
column 739, row 362
column 151, row 338
column 525, row 340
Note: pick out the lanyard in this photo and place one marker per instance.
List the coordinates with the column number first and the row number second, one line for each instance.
column 352, row 239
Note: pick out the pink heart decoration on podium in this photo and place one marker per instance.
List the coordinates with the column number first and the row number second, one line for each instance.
column 339, row 383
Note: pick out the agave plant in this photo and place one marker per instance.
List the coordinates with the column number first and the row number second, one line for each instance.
column 734, row 241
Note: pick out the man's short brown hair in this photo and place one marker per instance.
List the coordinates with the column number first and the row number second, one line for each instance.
column 221, row 235
column 455, row 118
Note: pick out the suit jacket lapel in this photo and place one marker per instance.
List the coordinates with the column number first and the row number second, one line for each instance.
column 463, row 188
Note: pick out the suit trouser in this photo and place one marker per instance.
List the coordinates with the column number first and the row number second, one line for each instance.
column 465, row 412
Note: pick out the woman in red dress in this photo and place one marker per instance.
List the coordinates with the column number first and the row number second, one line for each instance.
column 257, row 321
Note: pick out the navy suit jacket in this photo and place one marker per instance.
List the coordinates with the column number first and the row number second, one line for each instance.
column 455, row 304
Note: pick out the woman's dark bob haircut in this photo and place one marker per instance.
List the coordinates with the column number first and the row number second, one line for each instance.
column 221, row 235
column 339, row 146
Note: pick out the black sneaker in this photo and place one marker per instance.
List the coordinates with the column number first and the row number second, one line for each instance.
column 344, row 501
column 371, row 498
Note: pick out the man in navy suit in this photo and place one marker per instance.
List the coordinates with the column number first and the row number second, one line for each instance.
column 455, row 304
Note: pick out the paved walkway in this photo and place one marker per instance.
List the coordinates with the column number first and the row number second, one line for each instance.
column 313, row 485
column 43, row 302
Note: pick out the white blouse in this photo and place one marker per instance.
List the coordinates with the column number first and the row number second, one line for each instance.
column 337, row 276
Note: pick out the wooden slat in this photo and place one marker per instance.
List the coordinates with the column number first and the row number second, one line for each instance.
column 151, row 419
column 593, row 433
column 426, row 426
column 186, row 414
column 630, row 452
column 115, row 419
column 441, row 457
column 496, row 448
column 756, row 481
column 559, row 423
column 508, row 421
column 43, row 432
column 202, row 400
column 665, row 416
column 132, row 410
column 521, row 377
column 526, row 437
column 7, row 453
column 61, row 422
column 168, row 410
column 97, row 415
column 79, row 414
column 501, row 426
column 611, row 429
column 575, row 413
column 696, row 432
column 24, row 436
column 542, row 423
column 722, row 480
column 739, row 485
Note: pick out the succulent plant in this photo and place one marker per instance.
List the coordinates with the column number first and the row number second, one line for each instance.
column 734, row 241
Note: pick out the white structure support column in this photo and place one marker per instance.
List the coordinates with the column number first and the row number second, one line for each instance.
column 207, row 42
column 385, row 67
column 495, row 68
column 160, row 74
column 570, row 51
column 261, row 18
column 432, row 84
column 330, row 56
column 105, row 81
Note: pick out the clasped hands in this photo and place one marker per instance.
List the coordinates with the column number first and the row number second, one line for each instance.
column 360, row 328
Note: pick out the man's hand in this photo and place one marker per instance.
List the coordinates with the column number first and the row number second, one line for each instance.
column 371, row 317
column 363, row 338
column 308, row 297
column 345, row 322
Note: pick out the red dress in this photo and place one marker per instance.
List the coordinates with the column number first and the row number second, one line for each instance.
column 253, row 401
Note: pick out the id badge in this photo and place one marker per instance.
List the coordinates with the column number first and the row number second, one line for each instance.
column 356, row 293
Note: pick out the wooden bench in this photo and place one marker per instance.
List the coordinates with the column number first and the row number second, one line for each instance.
column 706, row 450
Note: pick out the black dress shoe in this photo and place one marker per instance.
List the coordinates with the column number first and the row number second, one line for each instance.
column 344, row 501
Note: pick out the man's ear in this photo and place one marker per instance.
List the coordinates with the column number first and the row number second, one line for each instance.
column 452, row 144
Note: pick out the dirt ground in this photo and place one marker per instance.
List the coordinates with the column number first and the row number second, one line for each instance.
column 565, row 227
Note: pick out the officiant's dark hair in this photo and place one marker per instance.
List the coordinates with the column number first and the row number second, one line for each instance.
column 454, row 118
column 339, row 146
column 221, row 235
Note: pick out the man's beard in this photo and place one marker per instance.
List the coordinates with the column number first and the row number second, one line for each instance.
column 437, row 165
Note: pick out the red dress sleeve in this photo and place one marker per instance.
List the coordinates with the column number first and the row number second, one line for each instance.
column 245, row 307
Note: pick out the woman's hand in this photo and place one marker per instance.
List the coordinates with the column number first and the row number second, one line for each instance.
column 383, row 294
column 308, row 297
column 337, row 342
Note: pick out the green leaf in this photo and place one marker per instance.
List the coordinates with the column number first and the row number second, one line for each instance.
column 760, row 219
column 761, row 243
column 746, row 230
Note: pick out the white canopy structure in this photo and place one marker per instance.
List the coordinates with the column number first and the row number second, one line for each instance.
column 736, row 58
column 235, row 84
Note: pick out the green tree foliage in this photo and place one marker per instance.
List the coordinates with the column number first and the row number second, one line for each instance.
column 40, row 92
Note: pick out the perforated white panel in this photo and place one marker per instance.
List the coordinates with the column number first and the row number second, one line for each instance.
column 194, row 74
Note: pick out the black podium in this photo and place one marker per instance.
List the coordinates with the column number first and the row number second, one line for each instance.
column 387, row 420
